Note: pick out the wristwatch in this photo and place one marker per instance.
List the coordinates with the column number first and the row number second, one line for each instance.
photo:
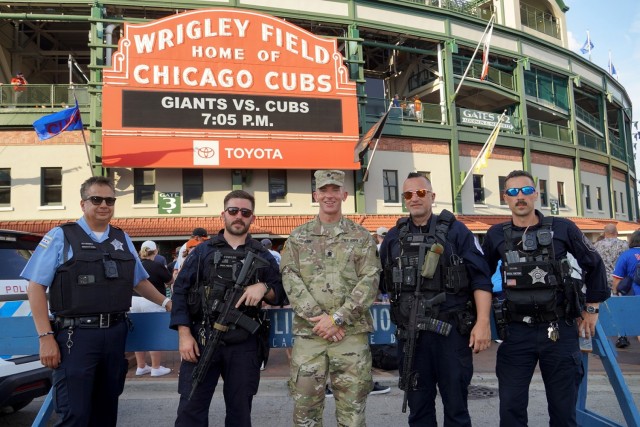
column 591, row 309
column 337, row 319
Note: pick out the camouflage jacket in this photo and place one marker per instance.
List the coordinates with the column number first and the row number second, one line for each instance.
column 610, row 249
column 333, row 270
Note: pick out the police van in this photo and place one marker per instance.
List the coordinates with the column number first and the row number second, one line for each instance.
column 22, row 377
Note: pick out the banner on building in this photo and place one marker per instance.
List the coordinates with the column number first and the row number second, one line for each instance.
column 484, row 118
column 222, row 88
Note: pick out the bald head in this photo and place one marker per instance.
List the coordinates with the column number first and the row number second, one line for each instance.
column 610, row 230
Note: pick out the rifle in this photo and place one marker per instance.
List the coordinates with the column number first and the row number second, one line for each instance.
column 229, row 315
column 419, row 321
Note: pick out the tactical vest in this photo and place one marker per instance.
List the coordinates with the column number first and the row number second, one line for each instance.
column 531, row 276
column 450, row 275
column 98, row 278
column 220, row 275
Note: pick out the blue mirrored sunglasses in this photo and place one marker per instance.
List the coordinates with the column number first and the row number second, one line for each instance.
column 527, row 191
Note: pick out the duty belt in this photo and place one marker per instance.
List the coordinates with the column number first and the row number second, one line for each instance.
column 98, row 321
column 543, row 317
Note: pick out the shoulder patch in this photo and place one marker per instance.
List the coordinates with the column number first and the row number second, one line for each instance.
column 45, row 242
column 588, row 243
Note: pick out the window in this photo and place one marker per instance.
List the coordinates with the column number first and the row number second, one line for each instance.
column 586, row 190
column 144, row 185
column 615, row 201
column 390, row 185
column 51, row 188
column 621, row 202
column 599, row 198
column 5, row 187
column 501, row 187
column 478, row 190
column 192, row 185
column 277, row 186
column 561, row 201
column 544, row 195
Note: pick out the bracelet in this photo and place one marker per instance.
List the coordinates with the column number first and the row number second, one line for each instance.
column 165, row 302
column 45, row 334
column 267, row 288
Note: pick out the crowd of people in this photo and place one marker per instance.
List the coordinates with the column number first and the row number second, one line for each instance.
column 330, row 271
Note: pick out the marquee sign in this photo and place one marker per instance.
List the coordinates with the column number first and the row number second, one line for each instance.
column 227, row 88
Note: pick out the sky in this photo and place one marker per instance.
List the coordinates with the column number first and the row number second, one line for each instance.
column 614, row 26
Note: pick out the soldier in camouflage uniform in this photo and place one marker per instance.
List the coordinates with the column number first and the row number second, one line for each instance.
column 330, row 272
column 610, row 249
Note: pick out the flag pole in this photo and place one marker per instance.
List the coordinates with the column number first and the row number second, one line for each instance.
column 495, row 130
column 473, row 56
column 589, row 44
column 84, row 138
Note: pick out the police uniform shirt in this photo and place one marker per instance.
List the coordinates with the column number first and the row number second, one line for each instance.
column 567, row 237
column 460, row 241
column 48, row 256
column 196, row 265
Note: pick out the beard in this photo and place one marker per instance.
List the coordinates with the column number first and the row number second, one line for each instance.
column 237, row 231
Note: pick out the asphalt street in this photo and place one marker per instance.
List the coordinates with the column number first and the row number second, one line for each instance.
column 153, row 401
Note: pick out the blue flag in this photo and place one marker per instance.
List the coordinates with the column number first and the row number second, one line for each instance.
column 54, row 124
column 612, row 69
column 588, row 46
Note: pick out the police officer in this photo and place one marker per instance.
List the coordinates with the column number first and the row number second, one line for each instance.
column 330, row 272
column 90, row 268
column 542, row 302
column 211, row 268
column 452, row 329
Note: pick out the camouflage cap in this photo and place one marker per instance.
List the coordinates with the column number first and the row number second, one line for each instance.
column 327, row 177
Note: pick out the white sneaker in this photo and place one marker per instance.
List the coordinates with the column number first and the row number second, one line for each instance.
column 143, row 371
column 160, row 371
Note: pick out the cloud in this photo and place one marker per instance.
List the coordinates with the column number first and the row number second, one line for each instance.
column 574, row 44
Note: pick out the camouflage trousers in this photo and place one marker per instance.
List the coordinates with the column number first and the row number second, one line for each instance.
column 347, row 363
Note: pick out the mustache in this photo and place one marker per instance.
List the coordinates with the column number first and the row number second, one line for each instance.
column 521, row 203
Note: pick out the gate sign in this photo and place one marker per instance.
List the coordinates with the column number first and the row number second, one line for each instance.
column 227, row 88
column 169, row 203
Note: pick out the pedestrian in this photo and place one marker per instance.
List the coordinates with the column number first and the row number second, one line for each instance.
column 161, row 279
column 542, row 324
column 211, row 268
column 19, row 83
column 330, row 272
column 626, row 268
column 418, row 108
column 610, row 248
column 200, row 234
column 444, row 349
column 268, row 245
column 381, row 233
column 90, row 269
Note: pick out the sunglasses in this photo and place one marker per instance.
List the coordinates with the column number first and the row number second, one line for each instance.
column 97, row 200
column 527, row 191
column 420, row 193
column 246, row 213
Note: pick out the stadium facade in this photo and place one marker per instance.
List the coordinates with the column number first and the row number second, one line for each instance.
column 566, row 120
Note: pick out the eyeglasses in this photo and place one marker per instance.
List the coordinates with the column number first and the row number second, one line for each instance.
column 97, row 200
column 527, row 191
column 246, row 213
column 420, row 193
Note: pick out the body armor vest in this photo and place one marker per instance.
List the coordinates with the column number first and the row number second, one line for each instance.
column 220, row 275
column 531, row 275
column 97, row 279
column 450, row 274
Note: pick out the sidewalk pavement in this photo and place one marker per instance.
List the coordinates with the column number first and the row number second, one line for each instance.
column 483, row 364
